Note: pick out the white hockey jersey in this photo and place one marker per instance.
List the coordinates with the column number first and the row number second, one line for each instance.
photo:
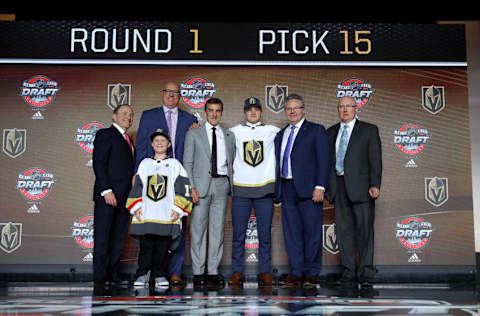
column 160, row 187
column 254, row 164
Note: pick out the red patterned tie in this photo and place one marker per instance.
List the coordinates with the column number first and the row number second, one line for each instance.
column 127, row 138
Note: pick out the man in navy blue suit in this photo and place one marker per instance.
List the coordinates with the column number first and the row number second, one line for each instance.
column 176, row 123
column 302, row 154
column 113, row 163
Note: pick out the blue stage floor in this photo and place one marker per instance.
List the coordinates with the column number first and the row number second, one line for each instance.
column 22, row 298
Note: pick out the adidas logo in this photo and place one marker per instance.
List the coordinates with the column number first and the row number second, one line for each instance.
column 33, row 209
column 252, row 258
column 37, row 116
column 414, row 258
column 411, row 164
column 88, row 257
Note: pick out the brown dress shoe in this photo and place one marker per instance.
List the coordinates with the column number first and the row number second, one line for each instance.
column 265, row 279
column 291, row 280
column 236, row 279
column 176, row 280
column 310, row 281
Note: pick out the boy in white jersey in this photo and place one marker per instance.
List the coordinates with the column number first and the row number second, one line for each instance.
column 253, row 186
column 159, row 198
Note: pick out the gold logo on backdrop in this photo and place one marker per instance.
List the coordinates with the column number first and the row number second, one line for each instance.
column 14, row 142
column 156, row 187
column 10, row 236
column 433, row 99
column 275, row 97
column 118, row 94
column 253, row 152
column 436, row 190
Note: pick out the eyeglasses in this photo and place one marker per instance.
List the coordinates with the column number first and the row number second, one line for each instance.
column 348, row 106
column 293, row 109
column 168, row 91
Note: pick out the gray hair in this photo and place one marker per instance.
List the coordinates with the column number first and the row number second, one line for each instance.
column 295, row 97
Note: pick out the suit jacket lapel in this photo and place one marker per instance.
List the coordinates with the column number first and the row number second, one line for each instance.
column 122, row 140
column 333, row 148
column 226, row 136
column 163, row 119
column 353, row 136
column 204, row 135
column 301, row 133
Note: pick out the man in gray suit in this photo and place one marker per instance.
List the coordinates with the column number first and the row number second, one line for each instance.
column 208, row 160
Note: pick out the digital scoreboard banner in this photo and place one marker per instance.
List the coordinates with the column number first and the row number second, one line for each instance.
column 231, row 43
column 61, row 80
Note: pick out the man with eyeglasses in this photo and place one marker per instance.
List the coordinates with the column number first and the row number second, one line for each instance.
column 176, row 123
column 302, row 155
column 354, row 184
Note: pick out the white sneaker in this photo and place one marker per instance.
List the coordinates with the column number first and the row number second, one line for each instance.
column 142, row 280
column 161, row 282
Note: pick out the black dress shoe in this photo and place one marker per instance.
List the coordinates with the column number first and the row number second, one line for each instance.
column 366, row 283
column 101, row 283
column 117, row 280
column 347, row 282
column 216, row 281
column 199, row 281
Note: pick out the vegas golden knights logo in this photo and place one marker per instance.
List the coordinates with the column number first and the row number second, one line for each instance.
column 157, row 187
column 14, row 141
column 253, row 152
column 10, row 236
column 118, row 94
column 436, row 190
column 433, row 99
column 330, row 242
column 275, row 97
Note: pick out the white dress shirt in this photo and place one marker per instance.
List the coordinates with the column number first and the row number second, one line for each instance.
column 221, row 150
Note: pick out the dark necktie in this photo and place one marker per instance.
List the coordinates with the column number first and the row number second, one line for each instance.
column 214, row 153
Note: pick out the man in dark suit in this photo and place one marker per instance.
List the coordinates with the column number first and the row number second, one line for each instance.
column 302, row 155
column 354, row 184
column 113, row 163
column 176, row 123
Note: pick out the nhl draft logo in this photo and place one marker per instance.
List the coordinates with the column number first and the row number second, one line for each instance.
column 275, row 97
column 14, row 142
column 436, row 190
column 330, row 239
column 85, row 135
column 413, row 232
column 433, row 99
column 11, row 236
column 251, row 239
column 157, row 187
column 196, row 91
column 39, row 91
column 118, row 94
column 35, row 183
column 253, row 152
column 82, row 232
column 357, row 89
column 411, row 139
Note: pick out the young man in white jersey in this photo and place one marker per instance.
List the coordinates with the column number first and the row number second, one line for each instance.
column 253, row 187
